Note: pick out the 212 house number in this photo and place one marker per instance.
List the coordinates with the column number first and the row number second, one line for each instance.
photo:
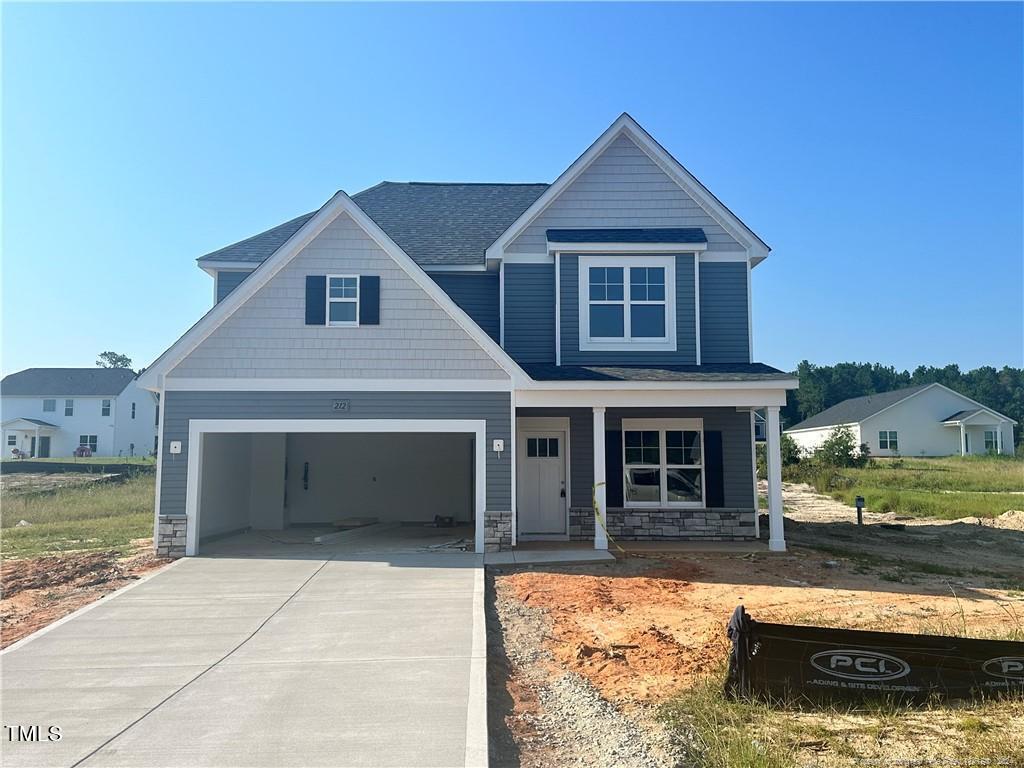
column 341, row 406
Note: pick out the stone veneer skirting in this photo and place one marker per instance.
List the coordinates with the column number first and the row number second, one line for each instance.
column 666, row 524
column 170, row 536
column 497, row 531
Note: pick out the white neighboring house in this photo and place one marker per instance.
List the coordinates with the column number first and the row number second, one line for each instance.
column 49, row 412
column 927, row 420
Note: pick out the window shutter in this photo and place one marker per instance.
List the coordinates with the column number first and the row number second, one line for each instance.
column 316, row 299
column 613, row 468
column 714, row 470
column 369, row 300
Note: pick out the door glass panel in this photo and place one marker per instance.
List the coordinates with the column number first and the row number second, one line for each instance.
column 553, row 447
column 684, row 485
column 542, row 447
column 531, row 447
column 643, row 484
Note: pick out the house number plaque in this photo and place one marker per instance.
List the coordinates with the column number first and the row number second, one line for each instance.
column 340, row 406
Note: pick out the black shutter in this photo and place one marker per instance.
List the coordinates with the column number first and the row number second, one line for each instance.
column 316, row 299
column 613, row 468
column 369, row 300
column 714, row 470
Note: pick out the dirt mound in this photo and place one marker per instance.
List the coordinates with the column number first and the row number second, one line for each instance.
column 1010, row 520
column 38, row 591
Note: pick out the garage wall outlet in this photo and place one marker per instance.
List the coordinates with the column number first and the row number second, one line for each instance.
column 499, row 446
column 175, row 446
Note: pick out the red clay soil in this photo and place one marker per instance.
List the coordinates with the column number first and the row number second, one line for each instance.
column 39, row 591
column 642, row 630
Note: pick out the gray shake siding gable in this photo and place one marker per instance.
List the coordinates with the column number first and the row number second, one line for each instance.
column 623, row 187
column 227, row 281
column 267, row 336
column 686, row 335
column 181, row 407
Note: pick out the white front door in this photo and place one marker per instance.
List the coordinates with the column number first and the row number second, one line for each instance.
column 540, row 490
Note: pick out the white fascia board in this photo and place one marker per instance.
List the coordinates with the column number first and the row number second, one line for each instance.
column 781, row 385
column 625, row 124
column 641, row 398
column 336, row 385
column 628, row 248
column 213, row 267
column 821, row 428
column 528, row 258
column 454, row 268
column 152, row 378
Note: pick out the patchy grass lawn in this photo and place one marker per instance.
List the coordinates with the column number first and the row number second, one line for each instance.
column 142, row 460
column 103, row 516
column 947, row 488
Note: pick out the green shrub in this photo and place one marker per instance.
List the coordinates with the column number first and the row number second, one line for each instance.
column 840, row 449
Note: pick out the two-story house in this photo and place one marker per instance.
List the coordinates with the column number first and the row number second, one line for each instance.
column 527, row 358
column 51, row 412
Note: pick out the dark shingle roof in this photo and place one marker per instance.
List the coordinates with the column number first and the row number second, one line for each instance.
column 655, row 235
column 37, row 422
column 37, row 382
column 436, row 224
column 718, row 372
column 857, row 409
column 961, row 415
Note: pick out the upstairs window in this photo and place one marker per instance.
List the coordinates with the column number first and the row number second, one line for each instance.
column 49, row 406
column 133, row 410
column 888, row 440
column 69, row 407
column 627, row 303
column 105, row 408
column 342, row 300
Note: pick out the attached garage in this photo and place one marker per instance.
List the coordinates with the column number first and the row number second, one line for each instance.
column 276, row 474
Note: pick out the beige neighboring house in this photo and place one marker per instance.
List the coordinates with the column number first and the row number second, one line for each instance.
column 927, row 420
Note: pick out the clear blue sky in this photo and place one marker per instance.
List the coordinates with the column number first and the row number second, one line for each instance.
column 877, row 148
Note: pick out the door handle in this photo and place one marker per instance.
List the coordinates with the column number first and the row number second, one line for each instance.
column 562, row 493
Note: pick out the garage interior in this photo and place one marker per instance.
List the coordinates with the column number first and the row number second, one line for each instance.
column 295, row 481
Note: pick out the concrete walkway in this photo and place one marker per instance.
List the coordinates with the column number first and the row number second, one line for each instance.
column 362, row 653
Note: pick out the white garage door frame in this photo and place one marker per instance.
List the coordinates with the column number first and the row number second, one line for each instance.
column 198, row 428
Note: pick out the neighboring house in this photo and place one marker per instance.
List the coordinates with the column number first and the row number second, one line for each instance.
column 50, row 412
column 507, row 354
column 928, row 420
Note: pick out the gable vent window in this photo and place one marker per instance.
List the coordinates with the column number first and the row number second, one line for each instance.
column 627, row 303
column 342, row 300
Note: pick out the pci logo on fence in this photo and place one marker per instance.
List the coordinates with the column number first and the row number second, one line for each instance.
column 1009, row 667
column 860, row 665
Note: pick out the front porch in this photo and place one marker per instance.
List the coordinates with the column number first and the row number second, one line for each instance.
column 31, row 437
column 979, row 431
column 654, row 473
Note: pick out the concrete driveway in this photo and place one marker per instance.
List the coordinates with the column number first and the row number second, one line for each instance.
column 368, row 653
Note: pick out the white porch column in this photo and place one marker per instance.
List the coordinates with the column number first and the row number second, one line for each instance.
column 35, row 451
column 999, row 438
column 963, row 440
column 600, row 481
column 776, row 536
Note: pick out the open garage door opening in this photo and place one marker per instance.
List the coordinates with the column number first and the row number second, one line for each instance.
column 318, row 482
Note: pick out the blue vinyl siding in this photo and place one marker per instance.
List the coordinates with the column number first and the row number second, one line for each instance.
column 530, row 312
column 724, row 329
column 227, row 281
column 476, row 293
column 181, row 407
column 686, row 335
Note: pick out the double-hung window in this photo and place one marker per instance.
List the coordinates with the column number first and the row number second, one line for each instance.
column 663, row 462
column 888, row 440
column 627, row 303
column 991, row 440
column 343, row 300
column 105, row 408
column 88, row 441
column 49, row 406
column 69, row 407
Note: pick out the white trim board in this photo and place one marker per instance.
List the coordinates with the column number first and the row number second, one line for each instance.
column 152, row 377
column 197, row 428
column 336, row 385
column 625, row 124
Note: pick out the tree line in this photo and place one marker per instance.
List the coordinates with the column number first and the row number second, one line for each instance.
column 822, row 386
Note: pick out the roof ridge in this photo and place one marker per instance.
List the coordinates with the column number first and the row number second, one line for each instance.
column 461, row 184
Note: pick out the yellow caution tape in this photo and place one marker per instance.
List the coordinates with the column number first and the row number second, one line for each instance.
column 600, row 521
